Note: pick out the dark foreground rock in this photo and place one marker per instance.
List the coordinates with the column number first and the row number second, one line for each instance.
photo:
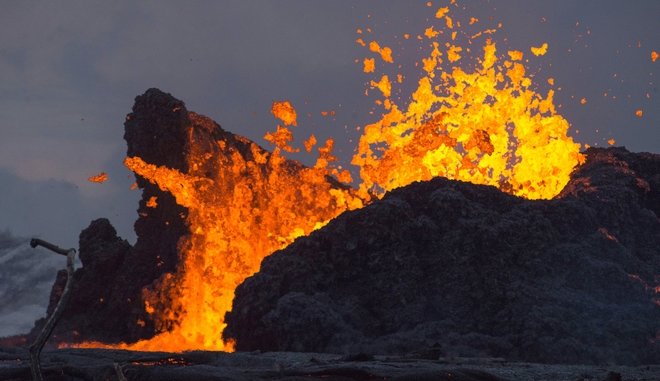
column 95, row 364
column 470, row 271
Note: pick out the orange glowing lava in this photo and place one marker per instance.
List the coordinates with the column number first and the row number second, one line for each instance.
column 486, row 125
column 285, row 112
column 246, row 210
column 100, row 178
column 541, row 50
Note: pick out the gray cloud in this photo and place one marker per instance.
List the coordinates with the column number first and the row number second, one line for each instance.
column 27, row 276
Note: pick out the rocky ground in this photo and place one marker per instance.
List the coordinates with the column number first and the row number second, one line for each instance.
column 97, row 364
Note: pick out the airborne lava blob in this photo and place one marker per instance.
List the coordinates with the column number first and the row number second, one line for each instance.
column 485, row 125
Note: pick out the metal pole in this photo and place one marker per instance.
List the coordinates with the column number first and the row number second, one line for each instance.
column 47, row 330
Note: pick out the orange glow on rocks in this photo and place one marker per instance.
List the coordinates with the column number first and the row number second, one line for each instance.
column 152, row 202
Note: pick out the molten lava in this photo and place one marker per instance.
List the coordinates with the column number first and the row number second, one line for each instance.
column 100, row 178
column 486, row 125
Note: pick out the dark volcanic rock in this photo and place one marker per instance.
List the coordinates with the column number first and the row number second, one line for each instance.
column 95, row 364
column 107, row 303
column 100, row 248
column 96, row 295
column 157, row 131
column 474, row 271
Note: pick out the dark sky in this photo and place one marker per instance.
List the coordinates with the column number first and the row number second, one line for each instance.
column 69, row 72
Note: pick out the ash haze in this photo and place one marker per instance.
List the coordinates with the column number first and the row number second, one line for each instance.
column 69, row 72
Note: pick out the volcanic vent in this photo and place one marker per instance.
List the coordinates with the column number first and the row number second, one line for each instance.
column 213, row 205
column 441, row 263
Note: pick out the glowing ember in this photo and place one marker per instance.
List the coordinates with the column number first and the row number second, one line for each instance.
column 541, row 50
column 385, row 52
column 484, row 125
column 369, row 65
column 639, row 113
column 310, row 143
column 285, row 112
column 516, row 56
column 654, row 56
column 152, row 202
column 100, row 178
